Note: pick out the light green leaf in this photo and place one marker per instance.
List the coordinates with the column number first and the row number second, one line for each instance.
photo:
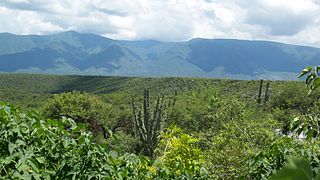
column 305, row 71
column 295, row 170
column 41, row 160
column 316, row 83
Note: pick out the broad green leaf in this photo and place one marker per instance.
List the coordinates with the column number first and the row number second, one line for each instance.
column 316, row 70
column 305, row 71
column 11, row 147
column 294, row 170
column 34, row 165
column 309, row 79
column 41, row 160
column 316, row 82
column 317, row 176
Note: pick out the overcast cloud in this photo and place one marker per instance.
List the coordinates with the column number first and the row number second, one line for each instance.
column 289, row 21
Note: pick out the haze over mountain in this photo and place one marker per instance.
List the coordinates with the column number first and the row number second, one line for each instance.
column 75, row 53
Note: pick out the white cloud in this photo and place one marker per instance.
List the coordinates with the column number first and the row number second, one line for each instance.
column 168, row 20
column 25, row 22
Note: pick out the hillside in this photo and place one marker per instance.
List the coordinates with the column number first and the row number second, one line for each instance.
column 28, row 90
column 89, row 54
column 213, row 122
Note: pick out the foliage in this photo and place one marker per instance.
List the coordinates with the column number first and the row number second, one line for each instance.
column 219, row 126
column 222, row 111
column 34, row 148
column 295, row 169
column 313, row 79
column 121, row 142
column 238, row 141
column 190, row 111
column 180, row 153
column 201, row 110
column 290, row 102
column 307, row 125
column 273, row 158
column 82, row 107
column 293, row 97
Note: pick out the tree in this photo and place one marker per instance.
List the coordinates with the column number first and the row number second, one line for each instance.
column 81, row 107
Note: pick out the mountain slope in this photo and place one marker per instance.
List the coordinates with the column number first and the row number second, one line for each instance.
column 76, row 53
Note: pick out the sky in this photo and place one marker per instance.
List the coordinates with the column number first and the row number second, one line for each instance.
column 288, row 21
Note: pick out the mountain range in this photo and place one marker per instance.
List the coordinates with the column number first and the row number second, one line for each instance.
column 89, row 54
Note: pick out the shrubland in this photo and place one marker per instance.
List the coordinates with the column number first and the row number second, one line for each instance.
column 208, row 129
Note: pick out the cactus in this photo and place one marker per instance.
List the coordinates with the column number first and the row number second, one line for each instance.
column 260, row 92
column 266, row 95
column 147, row 124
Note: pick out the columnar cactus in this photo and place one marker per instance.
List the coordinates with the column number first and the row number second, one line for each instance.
column 266, row 95
column 148, row 123
column 260, row 92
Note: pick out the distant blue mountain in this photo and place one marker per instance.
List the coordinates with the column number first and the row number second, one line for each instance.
column 75, row 53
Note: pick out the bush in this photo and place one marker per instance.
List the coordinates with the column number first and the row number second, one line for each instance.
column 273, row 158
column 237, row 141
column 34, row 148
column 199, row 111
column 122, row 142
column 293, row 97
column 179, row 152
column 81, row 107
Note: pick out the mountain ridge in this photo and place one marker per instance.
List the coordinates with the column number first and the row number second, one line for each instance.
column 89, row 54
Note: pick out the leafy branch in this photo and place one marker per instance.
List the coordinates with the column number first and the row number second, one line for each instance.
column 313, row 79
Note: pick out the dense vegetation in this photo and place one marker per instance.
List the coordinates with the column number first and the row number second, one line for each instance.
column 183, row 128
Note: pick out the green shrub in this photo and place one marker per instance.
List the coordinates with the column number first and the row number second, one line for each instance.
column 122, row 142
column 293, row 97
column 236, row 142
column 271, row 159
column 34, row 148
column 225, row 110
column 180, row 154
column 201, row 110
column 81, row 107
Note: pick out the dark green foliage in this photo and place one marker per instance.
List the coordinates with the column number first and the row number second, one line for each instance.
column 82, row 107
column 224, row 129
column 199, row 111
column 293, row 96
column 295, row 169
column 273, row 158
column 34, row 148
column 228, row 149
column 121, row 142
